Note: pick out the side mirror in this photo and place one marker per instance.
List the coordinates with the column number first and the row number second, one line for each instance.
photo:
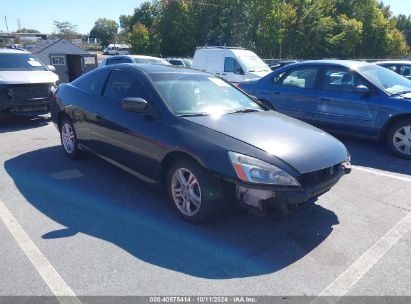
column 362, row 89
column 51, row 68
column 133, row 104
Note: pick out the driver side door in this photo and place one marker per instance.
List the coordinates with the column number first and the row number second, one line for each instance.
column 125, row 137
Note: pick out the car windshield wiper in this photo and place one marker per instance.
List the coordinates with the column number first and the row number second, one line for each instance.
column 401, row 93
column 193, row 114
column 244, row 111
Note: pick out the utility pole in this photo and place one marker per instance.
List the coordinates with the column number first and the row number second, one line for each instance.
column 7, row 27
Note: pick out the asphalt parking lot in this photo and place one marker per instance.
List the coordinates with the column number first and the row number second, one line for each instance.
column 87, row 228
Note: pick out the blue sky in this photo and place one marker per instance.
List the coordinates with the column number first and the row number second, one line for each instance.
column 40, row 14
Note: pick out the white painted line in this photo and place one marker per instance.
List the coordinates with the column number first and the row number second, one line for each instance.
column 53, row 280
column 376, row 172
column 67, row 174
column 341, row 285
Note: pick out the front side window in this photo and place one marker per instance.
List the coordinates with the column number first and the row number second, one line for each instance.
column 20, row 62
column 197, row 94
column 299, row 78
column 92, row 82
column 232, row 66
column 121, row 85
column 340, row 80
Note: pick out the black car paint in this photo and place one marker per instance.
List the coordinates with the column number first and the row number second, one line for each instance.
column 142, row 143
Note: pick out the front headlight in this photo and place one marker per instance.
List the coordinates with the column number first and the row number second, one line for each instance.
column 253, row 170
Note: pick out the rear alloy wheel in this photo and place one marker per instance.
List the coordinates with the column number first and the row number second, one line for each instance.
column 193, row 195
column 68, row 139
column 399, row 138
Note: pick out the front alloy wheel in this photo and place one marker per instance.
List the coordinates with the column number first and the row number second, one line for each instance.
column 69, row 139
column 186, row 191
column 194, row 194
column 399, row 138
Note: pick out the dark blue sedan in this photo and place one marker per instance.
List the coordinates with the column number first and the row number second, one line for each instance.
column 202, row 139
column 349, row 97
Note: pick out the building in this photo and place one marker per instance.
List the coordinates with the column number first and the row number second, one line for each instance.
column 69, row 60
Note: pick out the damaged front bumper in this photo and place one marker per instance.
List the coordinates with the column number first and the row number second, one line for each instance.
column 264, row 198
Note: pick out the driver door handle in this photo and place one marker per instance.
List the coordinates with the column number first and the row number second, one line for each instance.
column 325, row 98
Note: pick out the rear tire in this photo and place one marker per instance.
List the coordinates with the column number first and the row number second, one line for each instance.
column 192, row 192
column 398, row 138
column 68, row 138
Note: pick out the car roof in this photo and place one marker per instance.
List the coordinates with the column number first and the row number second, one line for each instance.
column 346, row 63
column 156, row 68
column 12, row 51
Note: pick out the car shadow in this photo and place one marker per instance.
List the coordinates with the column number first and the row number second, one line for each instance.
column 16, row 123
column 375, row 155
column 92, row 197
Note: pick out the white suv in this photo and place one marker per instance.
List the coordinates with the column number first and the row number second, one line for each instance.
column 26, row 84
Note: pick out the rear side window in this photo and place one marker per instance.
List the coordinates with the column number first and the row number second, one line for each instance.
column 299, row 78
column 92, row 82
column 118, row 60
column 340, row 80
column 121, row 85
column 390, row 67
column 405, row 70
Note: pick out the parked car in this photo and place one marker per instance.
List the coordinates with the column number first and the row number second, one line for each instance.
column 26, row 84
column 199, row 136
column 117, row 49
column 232, row 64
column 402, row 67
column 133, row 59
column 348, row 97
column 184, row 62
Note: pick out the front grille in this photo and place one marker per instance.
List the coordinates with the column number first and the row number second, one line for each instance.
column 321, row 176
column 29, row 91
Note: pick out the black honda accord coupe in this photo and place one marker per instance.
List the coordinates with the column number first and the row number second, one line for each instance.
column 203, row 139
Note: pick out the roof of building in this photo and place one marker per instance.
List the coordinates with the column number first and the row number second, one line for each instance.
column 48, row 43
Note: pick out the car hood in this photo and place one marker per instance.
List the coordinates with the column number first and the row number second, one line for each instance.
column 301, row 145
column 22, row 77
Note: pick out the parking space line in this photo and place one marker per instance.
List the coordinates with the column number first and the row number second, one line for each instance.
column 341, row 285
column 405, row 179
column 50, row 276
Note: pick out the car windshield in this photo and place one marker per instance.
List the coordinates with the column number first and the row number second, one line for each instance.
column 20, row 62
column 253, row 64
column 194, row 94
column 385, row 79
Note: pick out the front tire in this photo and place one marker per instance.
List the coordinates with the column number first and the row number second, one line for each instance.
column 194, row 195
column 68, row 138
column 399, row 138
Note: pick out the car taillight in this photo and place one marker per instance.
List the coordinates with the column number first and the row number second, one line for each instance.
column 238, row 85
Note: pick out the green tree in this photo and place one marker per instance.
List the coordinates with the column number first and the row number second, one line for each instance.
column 403, row 24
column 175, row 28
column 104, row 29
column 139, row 39
column 27, row 30
column 66, row 30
